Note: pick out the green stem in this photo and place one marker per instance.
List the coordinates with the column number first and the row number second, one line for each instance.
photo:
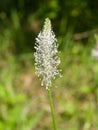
column 52, row 108
column 96, row 100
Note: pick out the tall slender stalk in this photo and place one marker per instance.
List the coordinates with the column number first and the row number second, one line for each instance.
column 47, row 60
column 52, row 108
column 96, row 104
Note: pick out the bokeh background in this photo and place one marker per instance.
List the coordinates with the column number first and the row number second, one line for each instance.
column 23, row 102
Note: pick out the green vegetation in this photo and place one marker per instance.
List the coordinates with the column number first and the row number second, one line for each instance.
column 23, row 102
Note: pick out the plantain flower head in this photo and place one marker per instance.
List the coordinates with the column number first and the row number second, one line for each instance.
column 46, row 58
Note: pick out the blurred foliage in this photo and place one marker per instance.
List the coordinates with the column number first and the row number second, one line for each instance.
column 24, row 18
column 23, row 103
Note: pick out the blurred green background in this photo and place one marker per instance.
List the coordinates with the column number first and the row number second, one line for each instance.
column 23, row 102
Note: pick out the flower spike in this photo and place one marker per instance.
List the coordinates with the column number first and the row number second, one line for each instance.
column 46, row 59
